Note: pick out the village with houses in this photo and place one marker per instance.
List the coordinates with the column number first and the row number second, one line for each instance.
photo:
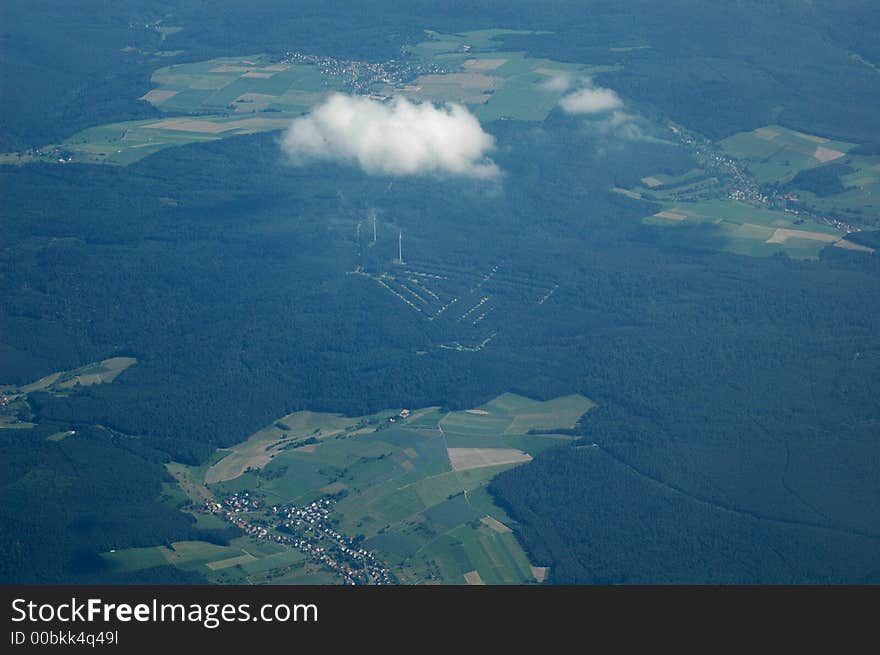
column 308, row 528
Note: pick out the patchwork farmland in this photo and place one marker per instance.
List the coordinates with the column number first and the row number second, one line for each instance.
column 395, row 496
column 769, row 191
column 231, row 96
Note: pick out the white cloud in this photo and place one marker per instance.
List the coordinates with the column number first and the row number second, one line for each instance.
column 591, row 100
column 624, row 126
column 557, row 83
column 605, row 109
column 394, row 138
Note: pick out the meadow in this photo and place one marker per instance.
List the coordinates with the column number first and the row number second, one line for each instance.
column 834, row 177
column 776, row 154
column 402, row 488
column 803, row 189
column 60, row 384
column 497, row 83
column 230, row 96
column 745, row 229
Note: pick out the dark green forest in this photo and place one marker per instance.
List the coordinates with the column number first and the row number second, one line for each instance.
column 736, row 433
column 622, row 527
column 823, row 181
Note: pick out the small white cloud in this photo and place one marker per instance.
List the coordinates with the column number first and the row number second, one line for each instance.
column 591, row 100
column 558, row 83
column 622, row 126
column 399, row 137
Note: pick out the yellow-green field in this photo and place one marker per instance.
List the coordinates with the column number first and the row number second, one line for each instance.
column 498, row 84
column 776, row 154
column 745, row 229
column 59, row 383
column 209, row 100
column 97, row 373
column 288, row 431
column 411, row 486
column 701, row 210
column 229, row 96
column 241, row 85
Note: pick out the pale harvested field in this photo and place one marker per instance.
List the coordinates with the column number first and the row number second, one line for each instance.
column 276, row 67
column 849, row 245
column 480, row 412
column 258, row 74
column 540, row 572
column 827, row 154
column 766, row 133
column 484, row 64
column 781, row 235
column 190, row 125
column 463, row 459
column 256, row 452
column 210, row 127
column 495, row 524
column 113, row 367
column 470, row 88
column 465, row 80
column 410, row 452
column 473, row 578
column 651, row 182
column 233, row 465
column 626, row 192
column 813, row 138
column 158, row 96
column 673, row 216
column 42, row 383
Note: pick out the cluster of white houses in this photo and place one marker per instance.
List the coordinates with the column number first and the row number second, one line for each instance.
column 308, row 529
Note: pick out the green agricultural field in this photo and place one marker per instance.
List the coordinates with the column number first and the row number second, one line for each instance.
column 60, row 383
column 816, row 176
column 241, row 557
column 125, row 143
column 776, row 154
column 97, row 373
column 462, row 423
column 134, row 559
column 397, row 487
column 693, row 185
column 859, row 198
column 496, row 84
column 281, row 437
column 211, row 100
column 229, row 96
column 745, row 229
column 222, row 84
